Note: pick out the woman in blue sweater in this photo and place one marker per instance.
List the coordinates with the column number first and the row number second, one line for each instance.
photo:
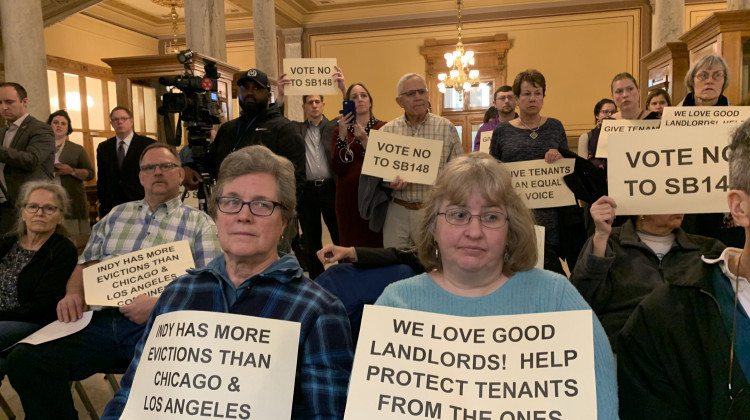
column 478, row 246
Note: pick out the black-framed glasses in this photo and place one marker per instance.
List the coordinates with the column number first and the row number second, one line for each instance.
column 413, row 93
column 33, row 208
column 233, row 205
column 462, row 217
column 164, row 166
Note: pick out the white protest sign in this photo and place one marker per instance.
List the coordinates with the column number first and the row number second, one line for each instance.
column 670, row 171
column 621, row 126
column 496, row 367
column 697, row 116
column 210, row 364
column 414, row 159
column 485, row 138
column 539, row 231
column 56, row 329
column 117, row 281
column 540, row 184
column 310, row 76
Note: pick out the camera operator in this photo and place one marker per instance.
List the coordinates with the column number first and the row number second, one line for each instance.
column 259, row 123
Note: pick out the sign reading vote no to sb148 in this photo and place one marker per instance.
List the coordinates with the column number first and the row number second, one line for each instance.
column 414, row 159
column 310, row 76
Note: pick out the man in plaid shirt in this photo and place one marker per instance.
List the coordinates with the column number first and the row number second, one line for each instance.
column 41, row 374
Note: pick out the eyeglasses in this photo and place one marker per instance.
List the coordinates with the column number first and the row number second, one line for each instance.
column 704, row 75
column 33, row 208
column 413, row 93
column 164, row 166
column 504, row 98
column 462, row 217
column 233, row 205
column 116, row 120
column 608, row 112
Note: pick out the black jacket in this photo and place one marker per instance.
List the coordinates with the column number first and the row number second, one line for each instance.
column 119, row 185
column 41, row 283
column 271, row 129
column 673, row 356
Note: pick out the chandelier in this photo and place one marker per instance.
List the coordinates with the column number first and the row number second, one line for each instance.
column 460, row 76
column 173, row 13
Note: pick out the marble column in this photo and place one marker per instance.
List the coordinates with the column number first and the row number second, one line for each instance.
column 264, row 34
column 205, row 31
column 24, row 55
column 293, row 49
column 668, row 22
column 738, row 4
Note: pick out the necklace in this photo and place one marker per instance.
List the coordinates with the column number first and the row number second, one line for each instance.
column 533, row 133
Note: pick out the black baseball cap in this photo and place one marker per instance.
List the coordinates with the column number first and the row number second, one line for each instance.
column 256, row 76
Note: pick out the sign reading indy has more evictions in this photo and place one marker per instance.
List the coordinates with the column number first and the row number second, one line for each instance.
column 198, row 365
column 412, row 364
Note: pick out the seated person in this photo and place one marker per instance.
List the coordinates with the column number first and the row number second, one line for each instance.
column 620, row 266
column 275, row 285
column 478, row 245
column 34, row 264
column 41, row 374
column 685, row 351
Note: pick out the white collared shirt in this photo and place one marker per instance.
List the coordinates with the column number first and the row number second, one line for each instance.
column 126, row 141
column 742, row 284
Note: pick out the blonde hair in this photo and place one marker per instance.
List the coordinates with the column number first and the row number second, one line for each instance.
column 455, row 183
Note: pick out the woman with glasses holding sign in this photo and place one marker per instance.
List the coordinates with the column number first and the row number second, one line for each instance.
column 348, row 155
column 532, row 136
column 35, row 263
column 478, row 245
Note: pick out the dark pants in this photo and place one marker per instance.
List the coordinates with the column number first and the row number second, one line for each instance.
column 7, row 218
column 40, row 374
column 318, row 198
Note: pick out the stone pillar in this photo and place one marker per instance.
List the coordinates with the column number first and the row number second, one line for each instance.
column 293, row 49
column 264, row 34
column 668, row 22
column 204, row 28
column 24, row 55
column 738, row 4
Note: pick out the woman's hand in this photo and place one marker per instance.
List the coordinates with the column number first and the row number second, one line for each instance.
column 344, row 123
column 281, row 84
column 64, row 169
column 603, row 214
column 338, row 78
column 334, row 253
column 360, row 134
column 552, row 156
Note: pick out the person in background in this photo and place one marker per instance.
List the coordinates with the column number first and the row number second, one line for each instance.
column 627, row 98
column 657, row 101
column 685, row 351
column 533, row 136
column 478, row 245
column 72, row 168
column 504, row 101
column 489, row 114
column 253, row 200
column 35, row 264
column 620, row 266
column 349, row 143
column 706, row 81
column 587, row 143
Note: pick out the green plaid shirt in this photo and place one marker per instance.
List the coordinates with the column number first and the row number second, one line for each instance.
column 432, row 127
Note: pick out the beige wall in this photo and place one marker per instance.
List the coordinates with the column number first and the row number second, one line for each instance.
column 578, row 54
column 85, row 39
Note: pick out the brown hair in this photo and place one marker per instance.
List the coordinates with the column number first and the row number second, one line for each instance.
column 532, row 76
column 455, row 183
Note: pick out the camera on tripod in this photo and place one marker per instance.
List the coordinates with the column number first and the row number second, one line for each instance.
column 197, row 104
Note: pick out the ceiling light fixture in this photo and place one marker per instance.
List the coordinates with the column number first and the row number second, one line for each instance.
column 460, row 77
column 173, row 4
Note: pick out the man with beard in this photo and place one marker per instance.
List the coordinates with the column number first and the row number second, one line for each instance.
column 258, row 123
column 505, row 103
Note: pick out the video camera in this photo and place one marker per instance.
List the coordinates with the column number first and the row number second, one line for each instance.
column 197, row 104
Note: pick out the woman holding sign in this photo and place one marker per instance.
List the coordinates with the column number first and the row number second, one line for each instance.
column 478, row 245
column 532, row 136
column 35, row 264
column 348, row 155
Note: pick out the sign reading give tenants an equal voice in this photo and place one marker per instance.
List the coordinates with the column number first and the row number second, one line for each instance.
column 117, row 281
column 310, row 76
column 424, row 365
column 198, row 365
column 414, row 159
column 540, row 184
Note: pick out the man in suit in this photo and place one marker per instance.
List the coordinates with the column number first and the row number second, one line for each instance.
column 319, row 191
column 117, row 163
column 27, row 150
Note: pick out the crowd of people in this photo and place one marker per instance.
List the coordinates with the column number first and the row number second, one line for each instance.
column 671, row 303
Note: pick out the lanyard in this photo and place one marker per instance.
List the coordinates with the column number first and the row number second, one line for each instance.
column 239, row 137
